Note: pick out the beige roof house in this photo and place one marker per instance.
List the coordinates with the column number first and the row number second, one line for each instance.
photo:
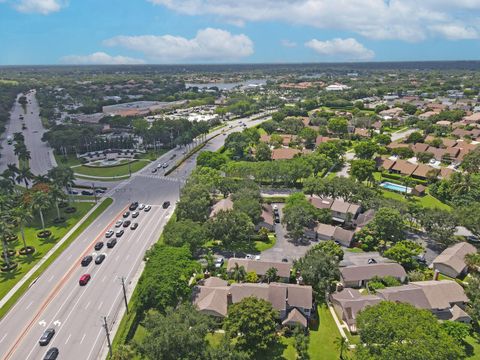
column 404, row 167
column 260, row 267
column 451, row 261
column 358, row 275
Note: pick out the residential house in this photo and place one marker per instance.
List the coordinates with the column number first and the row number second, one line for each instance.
column 221, row 205
column 294, row 303
column 287, row 153
column 451, row 261
column 423, row 171
column 472, row 119
column 384, row 164
column 343, row 211
column 445, row 173
column 403, row 167
column 336, row 233
column 343, row 237
column 420, row 147
column 364, row 218
column 419, row 190
column 261, row 267
column 267, row 219
column 359, row 275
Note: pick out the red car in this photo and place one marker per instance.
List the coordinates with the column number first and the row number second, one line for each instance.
column 84, row 279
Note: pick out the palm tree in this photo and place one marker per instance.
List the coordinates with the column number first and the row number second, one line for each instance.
column 123, row 352
column 24, row 156
column 24, row 174
column 408, row 182
column 473, row 262
column 40, row 202
column 21, row 215
column 56, row 195
column 271, row 275
column 342, row 345
column 5, row 231
column 41, row 179
column 238, row 273
column 62, row 176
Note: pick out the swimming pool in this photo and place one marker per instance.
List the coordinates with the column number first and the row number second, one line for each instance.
column 395, row 187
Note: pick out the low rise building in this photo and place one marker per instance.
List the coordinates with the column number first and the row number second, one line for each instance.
column 451, row 261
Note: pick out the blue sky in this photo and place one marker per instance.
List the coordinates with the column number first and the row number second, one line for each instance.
column 220, row 31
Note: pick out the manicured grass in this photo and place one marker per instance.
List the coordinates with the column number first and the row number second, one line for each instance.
column 265, row 245
column 112, row 171
column 322, row 341
column 427, row 201
column 152, row 155
column 355, row 250
column 473, row 352
column 69, row 160
column 214, row 339
column 8, row 82
column 31, row 260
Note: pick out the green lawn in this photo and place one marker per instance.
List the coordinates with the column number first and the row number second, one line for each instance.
column 354, row 250
column 42, row 246
column 322, row 341
column 473, row 350
column 8, row 82
column 69, row 160
column 152, row 155
column 265, row 245
column 427, row 201
column 112, row 171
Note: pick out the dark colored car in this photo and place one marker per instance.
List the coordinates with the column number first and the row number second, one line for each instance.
column 99, row 191
column 46, row 337
column 134, row 226
column 87, row 260
column 51, row 354
column 84, row 279
column 166, row 204
column 372, row 261
column 99, row 245
column 111, row 243
column 277, row 219
column 99, row 259
column 284, row 260
column 120, row 233
column 87, row 192
column 135, row 214
column 154, row 170
column 126, row 214
column 126, row 223
column 133, row 206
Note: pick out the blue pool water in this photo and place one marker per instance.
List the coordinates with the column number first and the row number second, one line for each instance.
column 395, row 187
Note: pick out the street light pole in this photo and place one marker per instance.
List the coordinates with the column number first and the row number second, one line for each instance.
column 94, row 192
column 124, row 293
column 105, row 325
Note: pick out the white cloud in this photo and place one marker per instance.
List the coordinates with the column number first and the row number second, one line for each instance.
column 455, row 31
column 43, row 7
column 288, row 43
column 348, row 49
column 409, row 20
column 100, row 58
column 208, row 45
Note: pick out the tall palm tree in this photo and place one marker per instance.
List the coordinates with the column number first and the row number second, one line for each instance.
column 56, row 194
column 10, row 173
column 5, row 231
column 238, row 273
column 271, row 275
column 62, row 176
column 41, row 179
column 24, row 156
column 24, row 174
column 342, row 345
column 40, row 202
column 21, row 215
column 473, row 262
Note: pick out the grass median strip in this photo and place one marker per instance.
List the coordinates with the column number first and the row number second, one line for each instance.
column 101, row 208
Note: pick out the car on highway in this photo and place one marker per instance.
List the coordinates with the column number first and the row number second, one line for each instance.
column 120, row 233
column 87, row 260
column 119, row 223
column 126, row 223
column 154, row 170
column 134, row 226
column 99, row 259
column 111, row 243
column 159, row 166
column 141, row 206
column 126, row 214
column 46, row 336
column 51, row 354
column 109, row 233
column 135, row 214
column 87, row 193
column 99, row 191
column 98, row 245
column 165, row 165
column 73, row 192
column 166, row 204
column 147, row 208
column 84, row 279
column 133, row 206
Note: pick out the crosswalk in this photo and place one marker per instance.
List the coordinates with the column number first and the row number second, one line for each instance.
column 159, row 177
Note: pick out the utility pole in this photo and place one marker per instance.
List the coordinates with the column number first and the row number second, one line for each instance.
column 105, row 325
column 124, row 293
column 94, row 192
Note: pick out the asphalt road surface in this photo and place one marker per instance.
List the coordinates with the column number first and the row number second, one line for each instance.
column 41, row 153
column 57, row 300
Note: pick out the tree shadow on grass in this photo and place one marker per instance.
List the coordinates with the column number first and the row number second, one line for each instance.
column 9, row 275
column 274, row 352
column 28, row 259
column 49, row 240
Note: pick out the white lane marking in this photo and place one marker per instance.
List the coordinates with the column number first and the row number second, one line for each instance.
column 51, row 278
column 42, row 323
column 83, row 338
column 100, row 305
column 28, row 306
column 3, row 338
column 86, row 307
column 104, row 278
column 66, row 341
column 95, row 342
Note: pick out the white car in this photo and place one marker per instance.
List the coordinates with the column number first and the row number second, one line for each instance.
column 219, row 262
column 147, row 208
column 141, row 206
column 109, row 233
column 119, row 223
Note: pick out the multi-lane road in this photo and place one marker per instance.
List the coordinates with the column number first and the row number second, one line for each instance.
column 56, row 299
column 42, row 157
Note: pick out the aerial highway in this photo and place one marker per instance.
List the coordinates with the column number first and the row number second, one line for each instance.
column 42, row 157
column 56, row 300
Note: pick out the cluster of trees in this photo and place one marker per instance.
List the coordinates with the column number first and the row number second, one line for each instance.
column 8, row 94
